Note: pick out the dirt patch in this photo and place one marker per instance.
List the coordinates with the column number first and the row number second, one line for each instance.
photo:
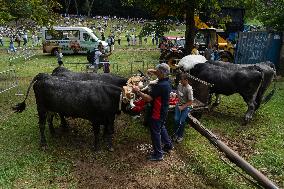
column 129, row 168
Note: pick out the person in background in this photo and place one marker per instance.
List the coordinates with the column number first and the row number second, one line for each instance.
column 59, row 57
column 119, row 39
column 104, row 61
column 25, row 38
column 159, row 98
column 183, row 107
column 153, row 38
column 140, row 39
column 128, row 39
column 103, row 36
column 11, row 46
column 145, row 39
column 209, row 53
column 1, row 40
column 112, row 42
column 97, row 55
column 18, row 40
column 195, row 50
column 215, row 53
column 109, row 42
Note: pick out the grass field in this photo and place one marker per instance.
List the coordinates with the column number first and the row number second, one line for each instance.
column 69, row 162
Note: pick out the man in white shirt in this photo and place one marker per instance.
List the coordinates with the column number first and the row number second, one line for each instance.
column 25, row 38
column 1, row 40
column 97, row 55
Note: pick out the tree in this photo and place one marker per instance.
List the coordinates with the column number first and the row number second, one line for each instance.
column 88, row 6
column 40, row 11
column 67, row 5
column 76, row 6
column 180, row 8
column 271, row 13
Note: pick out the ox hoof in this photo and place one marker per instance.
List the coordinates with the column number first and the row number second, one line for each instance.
column 110, row 149
column 96, row 148
column 43, row 147
column 246, row 120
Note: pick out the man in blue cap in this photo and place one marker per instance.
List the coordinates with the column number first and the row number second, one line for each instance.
column 159, row 98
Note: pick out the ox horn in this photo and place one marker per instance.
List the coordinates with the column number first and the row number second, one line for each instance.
column 132, row 103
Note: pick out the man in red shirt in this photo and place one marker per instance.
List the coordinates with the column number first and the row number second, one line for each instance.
column 159, row 98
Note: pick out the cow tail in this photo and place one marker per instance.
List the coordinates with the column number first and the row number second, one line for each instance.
column 270, row 95
column 20, row 107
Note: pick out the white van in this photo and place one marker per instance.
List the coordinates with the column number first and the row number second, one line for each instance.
column 70, row 40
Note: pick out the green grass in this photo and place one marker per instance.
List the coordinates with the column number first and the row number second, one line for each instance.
column 24, row 165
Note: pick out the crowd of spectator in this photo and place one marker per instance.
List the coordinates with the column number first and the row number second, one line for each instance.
column 110, row 29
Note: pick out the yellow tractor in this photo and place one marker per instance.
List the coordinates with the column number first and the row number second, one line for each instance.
column 210, row 38
column 205, row 37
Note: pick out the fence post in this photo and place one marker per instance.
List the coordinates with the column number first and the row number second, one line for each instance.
column 8, row 80
column 281, row 59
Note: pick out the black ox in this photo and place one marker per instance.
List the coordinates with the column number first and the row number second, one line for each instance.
column 83, row 76
column 267, row 68
column 97, row 102
column 250, row 81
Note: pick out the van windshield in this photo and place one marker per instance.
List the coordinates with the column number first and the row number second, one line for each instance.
column 93, row 36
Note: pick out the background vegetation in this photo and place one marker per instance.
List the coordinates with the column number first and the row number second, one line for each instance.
column 194, row 163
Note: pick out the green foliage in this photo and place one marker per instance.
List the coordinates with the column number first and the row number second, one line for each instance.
column 159, row 28
column 40, row 11
column 271, row 14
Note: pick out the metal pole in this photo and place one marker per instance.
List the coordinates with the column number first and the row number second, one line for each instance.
column 232, row 155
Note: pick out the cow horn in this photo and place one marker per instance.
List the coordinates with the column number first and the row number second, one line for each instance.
column 145, row 88
column 132, row 103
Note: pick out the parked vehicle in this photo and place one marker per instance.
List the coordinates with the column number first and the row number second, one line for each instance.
column 204, row 38
column 70, row 40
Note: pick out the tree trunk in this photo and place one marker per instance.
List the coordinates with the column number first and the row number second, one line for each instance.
column 190, row 26
column 76, row 6
column 67, row 5
column 90, row 7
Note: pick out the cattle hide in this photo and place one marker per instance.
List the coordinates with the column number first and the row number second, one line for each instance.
column 245, row 81
column 267, row 68
column 83, row 76
column 96, row 102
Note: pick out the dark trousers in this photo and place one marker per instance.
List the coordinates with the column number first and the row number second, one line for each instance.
column 159, row 136
column 25, row 41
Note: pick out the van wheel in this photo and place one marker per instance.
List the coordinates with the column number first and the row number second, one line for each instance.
column 53, row 52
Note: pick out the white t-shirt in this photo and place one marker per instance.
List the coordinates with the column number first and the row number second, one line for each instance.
column 97, row 56
column 185, row 94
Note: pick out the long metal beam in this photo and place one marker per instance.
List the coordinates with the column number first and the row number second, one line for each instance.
column 232, row 155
